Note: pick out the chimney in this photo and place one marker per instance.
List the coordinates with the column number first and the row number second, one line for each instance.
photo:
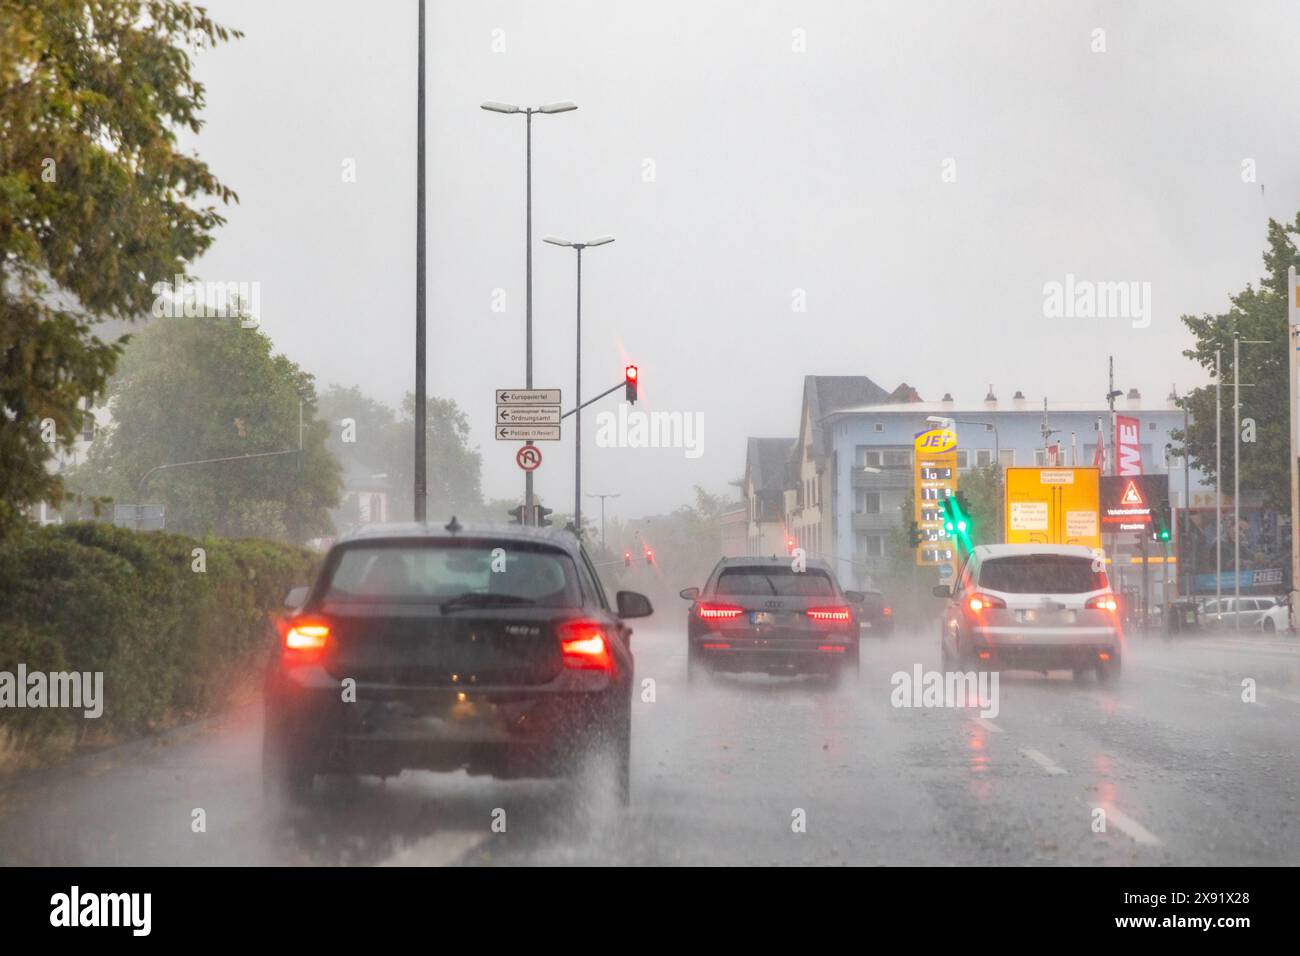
column 1018, row 399
column 991, row 400
column 1134, row 399
column 948, row 402
column 1171, row 401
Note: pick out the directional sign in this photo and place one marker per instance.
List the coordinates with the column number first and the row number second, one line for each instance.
column 528, row 415
column 528, row 457
column 528, row 432
column 528, row 396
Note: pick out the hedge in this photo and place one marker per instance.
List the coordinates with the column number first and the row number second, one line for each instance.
column 172, row 642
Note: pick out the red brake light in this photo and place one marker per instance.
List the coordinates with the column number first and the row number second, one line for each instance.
column 1103, row 602
column 584, row 646
column 719, row 612
column 888, row 612
column 981, row 602
column 307, row 634
column 834, row 615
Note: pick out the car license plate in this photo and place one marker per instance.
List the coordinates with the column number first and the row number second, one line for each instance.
column 760, row 617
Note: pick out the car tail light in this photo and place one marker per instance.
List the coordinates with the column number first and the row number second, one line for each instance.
column 1103, row 656
column 982, row 602
column 829, row 615
column 719, row 612
column 832, row 648
column 888, row 612
column 1102, row 602
column 304, row 635
column 719, row 646
column 585, row 646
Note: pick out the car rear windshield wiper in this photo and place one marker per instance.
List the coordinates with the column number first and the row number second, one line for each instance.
column 471, row 599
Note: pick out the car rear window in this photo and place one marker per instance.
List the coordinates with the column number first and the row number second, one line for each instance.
column 778, row 580
column 441, row 570
column 1041, row 574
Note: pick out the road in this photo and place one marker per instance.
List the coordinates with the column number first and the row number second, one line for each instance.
column 1186, row 772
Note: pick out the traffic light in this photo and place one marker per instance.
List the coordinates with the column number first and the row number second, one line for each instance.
column 543, row 521
column 649, row 556
column 914, row 536
column 629, row 383
column 627, row 559
column 517, row 514
column 956, row 520
column 1162, row 522
column 789, row 544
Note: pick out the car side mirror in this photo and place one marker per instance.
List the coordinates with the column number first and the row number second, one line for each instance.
column 941, row 590
column 690, row 594
column 632, row 604
column 296, row 597
column 855, row 597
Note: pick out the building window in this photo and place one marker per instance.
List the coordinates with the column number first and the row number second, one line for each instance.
column 983, row 457
column 1007, row 457
column 866, row 502
column 963, row 459
column 871, row 545
column 867, row 457
column 897, row 458
column 880, row 426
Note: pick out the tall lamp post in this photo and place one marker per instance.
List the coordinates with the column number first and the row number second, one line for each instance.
column 527, row 112
column 602, row 512
column 420, row 491
column 577, row 364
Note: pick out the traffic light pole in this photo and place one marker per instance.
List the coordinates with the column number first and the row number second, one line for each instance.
column 574, row 411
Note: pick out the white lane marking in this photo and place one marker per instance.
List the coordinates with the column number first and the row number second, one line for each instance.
column 1130, row 827
column 441, row 849
column 988, row 725
column 1049, row 766
column 1291, row 697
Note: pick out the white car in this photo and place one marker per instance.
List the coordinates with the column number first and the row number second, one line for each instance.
column 1276, row 618
column 1224, row 614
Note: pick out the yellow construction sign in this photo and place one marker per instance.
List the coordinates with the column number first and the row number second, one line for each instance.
column 1053, row 506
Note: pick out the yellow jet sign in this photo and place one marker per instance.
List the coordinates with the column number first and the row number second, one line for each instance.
column 1053, row 506
column 936, row 479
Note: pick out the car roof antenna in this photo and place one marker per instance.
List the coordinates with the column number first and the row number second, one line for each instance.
column 453, row 525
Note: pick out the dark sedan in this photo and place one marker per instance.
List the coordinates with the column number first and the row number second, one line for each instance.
column 490, row 649
column 762, row 615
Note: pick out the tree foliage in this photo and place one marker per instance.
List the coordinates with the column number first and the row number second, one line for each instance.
column 96, row 203
column 196, row 389
column 1255, row 314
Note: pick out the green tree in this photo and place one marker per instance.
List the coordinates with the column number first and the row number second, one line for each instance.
column 383, row 443
column 982, row 489
column 196, row 389
column 96, row 204
column 1261, row 314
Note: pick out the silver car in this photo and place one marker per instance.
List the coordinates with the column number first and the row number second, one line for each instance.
column 1233, row 613
column 1032, row 607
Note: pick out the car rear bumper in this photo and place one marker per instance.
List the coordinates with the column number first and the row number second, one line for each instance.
column 1034, row 647
column 745, row 653
column 503, row 731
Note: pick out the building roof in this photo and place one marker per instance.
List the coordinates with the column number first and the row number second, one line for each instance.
column 1004, row 408
column 823, row 395
column 765, row 462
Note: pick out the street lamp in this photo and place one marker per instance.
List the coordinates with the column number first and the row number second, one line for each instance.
column 577, row 423
column 602, row 512
column 494, row 107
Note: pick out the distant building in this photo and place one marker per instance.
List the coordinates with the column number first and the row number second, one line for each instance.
column 764, row 494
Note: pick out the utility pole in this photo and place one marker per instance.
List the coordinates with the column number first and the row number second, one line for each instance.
column 1218, row 484
column 1293, row 345
column 1236, row 478
column 421, row 485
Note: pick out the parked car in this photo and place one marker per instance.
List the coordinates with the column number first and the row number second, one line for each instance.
column 759, row 615
column 1278, row 617
column 490, row 649
column 1031, row 607
column 1229, row 614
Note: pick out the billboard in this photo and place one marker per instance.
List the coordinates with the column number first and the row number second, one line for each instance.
column 935, row 455
column 1128, row 445
column 1052, row 506
column 1127, row 501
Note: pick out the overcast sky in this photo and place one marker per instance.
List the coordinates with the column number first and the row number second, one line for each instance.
column 775, row 169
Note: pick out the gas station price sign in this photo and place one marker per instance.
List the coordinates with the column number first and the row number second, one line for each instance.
column 935, row 457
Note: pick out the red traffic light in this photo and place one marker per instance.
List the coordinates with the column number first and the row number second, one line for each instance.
column 629, row 383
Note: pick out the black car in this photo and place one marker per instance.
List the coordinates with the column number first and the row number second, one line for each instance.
column 489, row 649
column 875, row 615
column 761, row 615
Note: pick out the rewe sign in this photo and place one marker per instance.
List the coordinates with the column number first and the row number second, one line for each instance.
column 1128, row 445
